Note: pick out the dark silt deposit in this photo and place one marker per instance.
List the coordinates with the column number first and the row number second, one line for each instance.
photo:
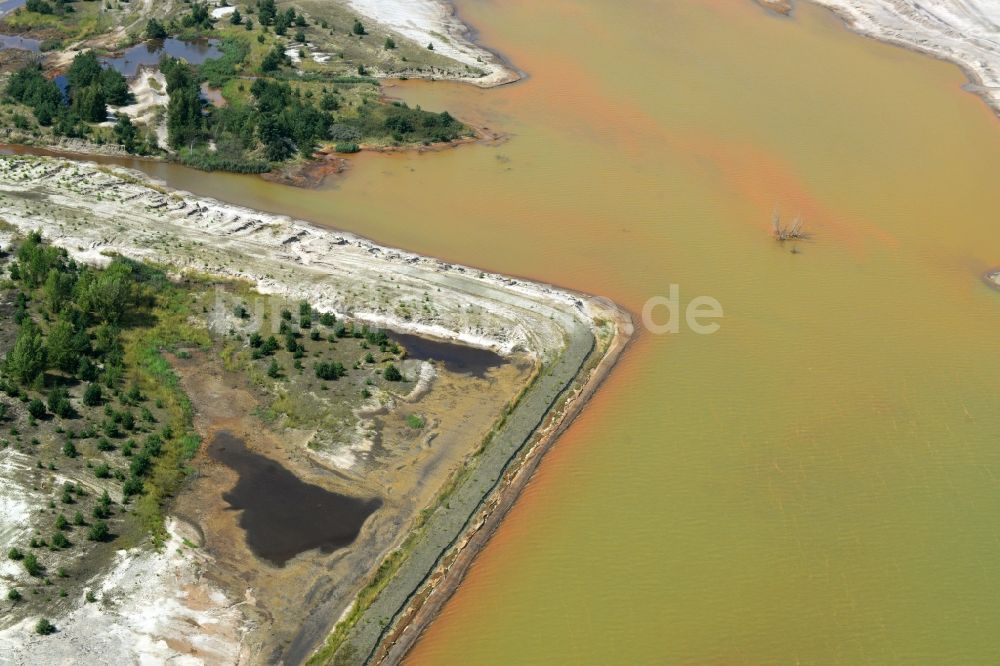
column 454, row 357
column 281, row 514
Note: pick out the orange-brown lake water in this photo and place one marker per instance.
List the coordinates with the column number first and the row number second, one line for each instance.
column 819, row 481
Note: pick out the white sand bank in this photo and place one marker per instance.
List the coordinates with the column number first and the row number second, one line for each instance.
column 434, row 22
column 966, row 32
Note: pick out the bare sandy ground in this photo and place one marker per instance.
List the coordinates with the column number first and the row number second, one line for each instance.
column 966, row 32
column 148, row 100
column 151, row 608
column 434, row 22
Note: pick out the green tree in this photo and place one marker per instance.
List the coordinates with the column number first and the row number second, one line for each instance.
column 184, row 118
column 269, row 346
column 59, row 404
column 330, row 370
column 38, row 6
column 36, row 408
column 65, row 346
column 274, row 370
column 390, row 43
column 29, row 86
column 236, row 18
column 27, row 360
column 31, row 565
column 274, row 59
column 358, row 28
column 44, row 627
column 90, row 103
column 267, row 11
column 99, row 531
column 93, row 395
column 126, row 133
column 85, row 70
column 155, row 30
column 115, row 87
column 58, row 288
column 109, row 294
column 392, row 373
column 36, row 258
column 199, row 17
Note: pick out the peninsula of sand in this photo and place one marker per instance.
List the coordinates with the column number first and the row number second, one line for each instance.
column 97, row 212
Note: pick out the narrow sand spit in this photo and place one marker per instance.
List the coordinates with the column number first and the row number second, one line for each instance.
column 434, row 22
column 966, row 32
column 95, row 211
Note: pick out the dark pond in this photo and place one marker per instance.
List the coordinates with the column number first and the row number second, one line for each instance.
column 283, row 515
column 23, row 43
column 454, row 357
column 148, row 53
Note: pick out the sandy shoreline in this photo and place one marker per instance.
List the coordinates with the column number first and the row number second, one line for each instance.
column 93, row 211
column 964, row 32
column 437, row 22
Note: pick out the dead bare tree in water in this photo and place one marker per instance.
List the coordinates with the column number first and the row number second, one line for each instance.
column 783, row 233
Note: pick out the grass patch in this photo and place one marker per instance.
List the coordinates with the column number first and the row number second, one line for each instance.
column 154, row 376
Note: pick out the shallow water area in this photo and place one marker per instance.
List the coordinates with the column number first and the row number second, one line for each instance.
column 10, row 5
column 148, row 54
column 282, row 515
column 455, row 357
column 18, row 42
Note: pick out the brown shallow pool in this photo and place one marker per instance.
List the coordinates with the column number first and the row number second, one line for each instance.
column 283, row 515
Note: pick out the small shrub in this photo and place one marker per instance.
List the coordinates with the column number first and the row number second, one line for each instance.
column 99, row 531
column 392, row 373
column 36, row 408
column 31, row 565
column 93, row 396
